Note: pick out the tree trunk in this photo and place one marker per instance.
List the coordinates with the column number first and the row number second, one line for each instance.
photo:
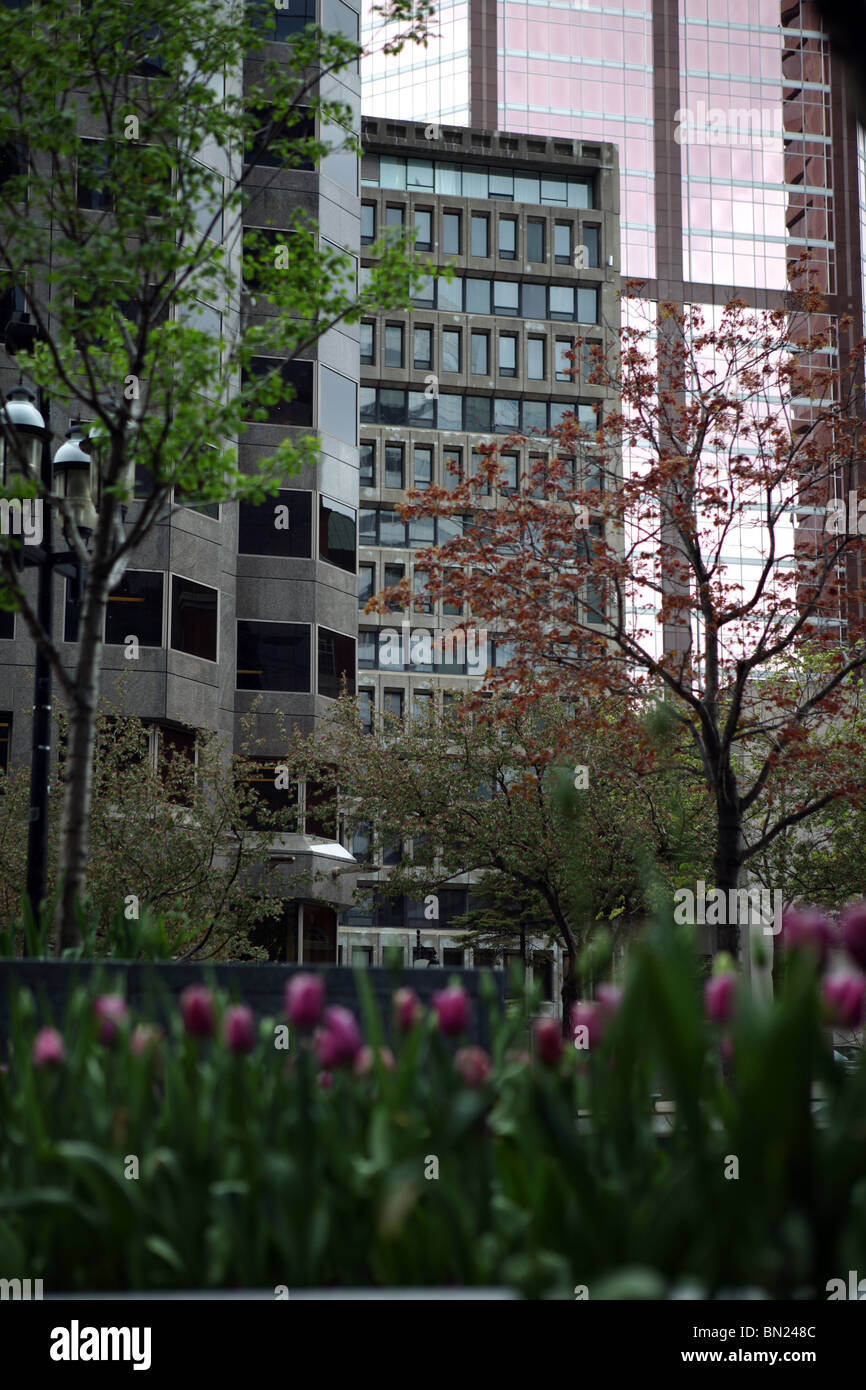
column 75, row 818
column 570, row 991
column 727, row 860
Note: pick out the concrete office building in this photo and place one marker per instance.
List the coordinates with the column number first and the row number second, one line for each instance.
column 227, row 609
column 477, row 358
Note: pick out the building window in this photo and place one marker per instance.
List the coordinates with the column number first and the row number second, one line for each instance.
column 479, row 244
column 451, row 350
column 453, row 956
column 587, row 306
column 337, row 534
column 394, row 217
column 507, row 354
column 423, row 469
column 451, row 233
column 562, row 302
column 392, row 704
column 535, row 359
column 394, row 476
column 299, row 376
column 270, row 141
column 368, row 344
column 368, row 223
column 392, row 528
column 506, row 297
column 562, row 243
column 477, row 296
column 282, row 24
column 590, row 238
column 508, row 472
column 535, row 240
column 507, row 238
column 421, row 600
column 7, row 625
column 450, row 294
column 366, row 583
column 393, row 345
column 477, row 419
column 422, row 706
column 478, row 461
column 366, row 705
column 452, row 475
column 135, row 610
column 367, row 464
column 282, row 526
column 394, row 575
column 336, row 663
column 423, row 229
column 479, row 345
column 194, row 618
column 425, row 295
column 422, row 349
column 273, row 656
column 564, row 365
column 338, row 410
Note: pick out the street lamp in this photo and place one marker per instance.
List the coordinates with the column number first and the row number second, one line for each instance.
column 26, row 440
column 425, row 953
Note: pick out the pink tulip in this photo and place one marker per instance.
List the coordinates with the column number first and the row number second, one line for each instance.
column 548, row 1040
column 844, row 998
column 145, row 1038
column 365, row 1060
column 48, row 1049
column 590, row 1017
column 473, row 1066
column 719, row 997
column 240, row 1029
column 808, row 928
column 339, row 1040
column 452, row 1010
column 854, row 932
column 197, row 1008
column 609, row 999
column 112, row 1013
column 407, row 1009
column 325, row 1080
column 305, row 999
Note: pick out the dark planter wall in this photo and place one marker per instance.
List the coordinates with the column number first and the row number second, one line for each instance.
column 151, row 988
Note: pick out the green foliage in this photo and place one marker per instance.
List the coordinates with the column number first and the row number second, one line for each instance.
column 253, row 1175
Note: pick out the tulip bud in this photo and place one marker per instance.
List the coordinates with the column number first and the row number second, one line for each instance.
column 407, row 1009
column 807, row 928
column 719, row 998
column 844, row 999
column 112, row 1013
column 48, row 1049
column 240, row 1029
column 365, row 1061
column 452, row 1010
column 305, row 999
column 197, row 1009
column 854, row 932
column 473, row 1066
column 339, row 1040
column 587, row 1025
column 609, row 998
column 548, row 1040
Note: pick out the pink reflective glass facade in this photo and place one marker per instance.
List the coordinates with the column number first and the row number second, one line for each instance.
column 587, row 74
column 421, row 84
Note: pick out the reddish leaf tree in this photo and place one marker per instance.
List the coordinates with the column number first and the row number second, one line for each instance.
column 735, row 434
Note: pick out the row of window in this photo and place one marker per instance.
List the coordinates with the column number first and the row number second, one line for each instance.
column 476, row 181
column 396, row 462
column 483, row 229
column 338, row 398
column 450, row 410
column 453, row 342
column 427, row 651
column 272, row 656
column 283, row 526
column 472, row 294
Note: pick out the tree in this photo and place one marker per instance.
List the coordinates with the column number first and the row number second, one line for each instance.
column 182, row 838
column 479, row 792
column 128, row 142
column 738, row 432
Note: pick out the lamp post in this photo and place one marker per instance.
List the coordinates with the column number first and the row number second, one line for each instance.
column 26, row 452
